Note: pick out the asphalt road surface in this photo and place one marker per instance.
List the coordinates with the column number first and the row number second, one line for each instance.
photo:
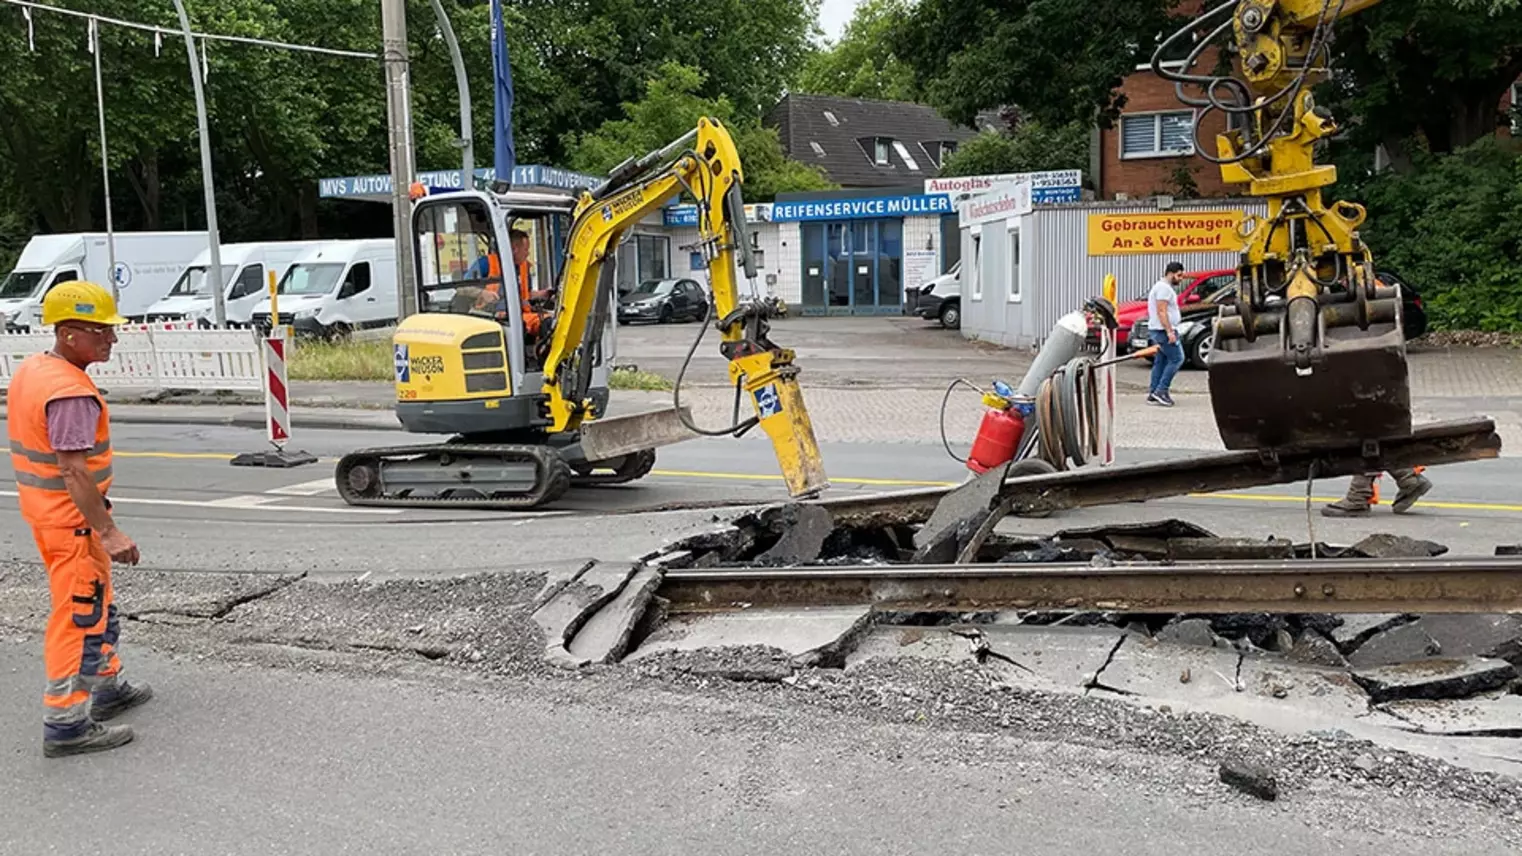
column 256, row 761
column 189, row 509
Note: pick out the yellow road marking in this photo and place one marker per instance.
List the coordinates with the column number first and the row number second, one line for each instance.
column 880, row 482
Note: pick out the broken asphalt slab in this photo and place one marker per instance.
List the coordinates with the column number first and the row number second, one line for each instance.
column 1438, row 678
column 564, row 614
column 604, row 638
column 1498, row 716
column 806, row 637
column 1064, row 658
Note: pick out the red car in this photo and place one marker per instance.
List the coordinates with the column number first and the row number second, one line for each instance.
column 1196, row 287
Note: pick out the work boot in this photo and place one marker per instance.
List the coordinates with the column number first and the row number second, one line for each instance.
column 109, row 704
column 1346, row 507
column 1412, row 488
column 97, row 738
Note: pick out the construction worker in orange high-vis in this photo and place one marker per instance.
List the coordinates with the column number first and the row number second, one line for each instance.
column 60, row 436
column 491, row 294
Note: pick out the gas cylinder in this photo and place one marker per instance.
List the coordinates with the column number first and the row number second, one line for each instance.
column 999, row 433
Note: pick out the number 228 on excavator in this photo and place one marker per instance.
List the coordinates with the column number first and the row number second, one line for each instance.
column 517, row 376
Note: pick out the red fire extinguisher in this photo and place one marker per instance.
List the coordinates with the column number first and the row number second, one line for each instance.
column 999, row 433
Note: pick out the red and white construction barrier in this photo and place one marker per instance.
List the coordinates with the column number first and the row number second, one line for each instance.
column 277, row 411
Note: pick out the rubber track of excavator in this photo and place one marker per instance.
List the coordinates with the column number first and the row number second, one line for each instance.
column 555, row 477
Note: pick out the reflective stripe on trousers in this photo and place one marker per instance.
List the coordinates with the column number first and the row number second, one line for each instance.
column 80, row 648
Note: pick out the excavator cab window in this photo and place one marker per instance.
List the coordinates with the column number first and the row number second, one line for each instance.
column 460, row 267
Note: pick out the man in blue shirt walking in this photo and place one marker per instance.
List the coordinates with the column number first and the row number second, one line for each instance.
column 1163, row 320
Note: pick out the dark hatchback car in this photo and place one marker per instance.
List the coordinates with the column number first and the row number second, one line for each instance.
column 663, row 301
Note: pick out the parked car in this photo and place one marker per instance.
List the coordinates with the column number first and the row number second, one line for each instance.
column 663, row 301
column 1199, row 289
column 1196, row 328
column 939, row 299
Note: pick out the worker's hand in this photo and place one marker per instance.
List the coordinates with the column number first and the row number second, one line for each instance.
column 1173, row 337
column 120, row 547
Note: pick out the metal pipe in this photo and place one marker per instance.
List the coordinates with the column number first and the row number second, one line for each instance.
column 462, row 83
column 207, row 180
column 399, row 134
column 105, row 169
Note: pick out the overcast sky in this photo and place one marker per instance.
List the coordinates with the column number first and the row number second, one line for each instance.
column 834, row 15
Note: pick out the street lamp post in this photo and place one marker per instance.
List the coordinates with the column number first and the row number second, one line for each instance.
column 214, row 275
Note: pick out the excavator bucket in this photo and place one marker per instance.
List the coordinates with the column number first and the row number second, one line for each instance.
column 1358, row 389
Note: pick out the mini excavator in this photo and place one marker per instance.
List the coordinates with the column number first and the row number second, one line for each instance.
column 1311, row 354
column 520, row 380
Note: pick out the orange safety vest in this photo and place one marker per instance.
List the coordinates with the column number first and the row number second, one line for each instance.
column 45, row 500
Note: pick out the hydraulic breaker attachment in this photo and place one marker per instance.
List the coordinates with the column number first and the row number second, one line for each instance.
column 1322, row 370
column 778, row 401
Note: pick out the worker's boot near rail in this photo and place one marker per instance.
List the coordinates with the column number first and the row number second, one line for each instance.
column 1363, row 494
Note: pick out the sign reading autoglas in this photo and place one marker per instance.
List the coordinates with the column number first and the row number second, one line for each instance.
column 861, row 209
column 1061, row 185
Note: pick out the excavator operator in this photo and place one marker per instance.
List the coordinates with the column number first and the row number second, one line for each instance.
column 491, row 294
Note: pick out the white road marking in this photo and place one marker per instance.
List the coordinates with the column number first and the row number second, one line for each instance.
column 314, row 487
column 251, row 502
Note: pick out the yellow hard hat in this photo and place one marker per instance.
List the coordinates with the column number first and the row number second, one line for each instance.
column 77, row 300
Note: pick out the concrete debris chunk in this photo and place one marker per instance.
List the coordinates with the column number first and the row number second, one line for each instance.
column 1313, row 649
column 1437, row 678
column 570, row 608
column 803, row 539
column 958, row 515
column 1400, row 644
column 1458, row 635
column 1192, row 631
column 1382, row 546
column 1251, row 779
column 1357, row 628
column 1228, row 549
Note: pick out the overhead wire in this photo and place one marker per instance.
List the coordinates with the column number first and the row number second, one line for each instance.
column 175, row 31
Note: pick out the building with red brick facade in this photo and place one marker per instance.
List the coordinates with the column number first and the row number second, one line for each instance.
column 1150, row 149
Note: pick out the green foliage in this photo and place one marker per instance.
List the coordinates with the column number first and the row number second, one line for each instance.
column 862, row 63
column 280, row 121
column 1421, row 74
column 1453, row 227
column 1030, row 147
column 1060, row 62
column 670, row 107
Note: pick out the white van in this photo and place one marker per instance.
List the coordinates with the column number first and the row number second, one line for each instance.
column 940, row 299
column 147, row 264
column 335, row 288
column 245, row 270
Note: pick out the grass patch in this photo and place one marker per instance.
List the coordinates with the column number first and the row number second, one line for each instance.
column 622, row 378
column 315, row 360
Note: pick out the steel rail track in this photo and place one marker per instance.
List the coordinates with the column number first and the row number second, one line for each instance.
column 1450, row 584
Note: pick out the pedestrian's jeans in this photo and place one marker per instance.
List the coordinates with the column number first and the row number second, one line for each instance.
column 1170, row 355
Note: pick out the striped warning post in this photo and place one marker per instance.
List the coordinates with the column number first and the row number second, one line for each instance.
column 277, row 404
column 277, row 411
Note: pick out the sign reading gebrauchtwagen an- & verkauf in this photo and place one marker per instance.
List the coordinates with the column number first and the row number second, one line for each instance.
column 864, row 208
column 1166, row 232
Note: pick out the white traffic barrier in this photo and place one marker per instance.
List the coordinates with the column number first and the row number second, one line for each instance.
column 158, row 357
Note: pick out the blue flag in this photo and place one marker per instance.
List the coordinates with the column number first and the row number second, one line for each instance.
column 502, row 87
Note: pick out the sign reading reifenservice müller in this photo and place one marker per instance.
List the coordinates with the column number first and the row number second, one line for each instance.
column 1166, row 232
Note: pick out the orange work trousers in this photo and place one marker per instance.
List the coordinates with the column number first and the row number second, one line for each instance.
column 79, row 651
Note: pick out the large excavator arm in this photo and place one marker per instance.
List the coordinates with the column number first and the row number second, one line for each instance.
column 705, row 164
column 1312, row 354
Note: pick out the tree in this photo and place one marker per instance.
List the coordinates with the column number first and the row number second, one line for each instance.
column 1028, row 147
column 862, row 63
column 1060, row 62
column 671, row 107
column 1425, row 71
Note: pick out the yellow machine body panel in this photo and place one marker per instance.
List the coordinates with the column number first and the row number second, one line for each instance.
column 440, row 357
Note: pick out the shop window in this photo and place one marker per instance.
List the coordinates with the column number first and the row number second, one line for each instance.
column 1013, row 243
column 977, row 266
